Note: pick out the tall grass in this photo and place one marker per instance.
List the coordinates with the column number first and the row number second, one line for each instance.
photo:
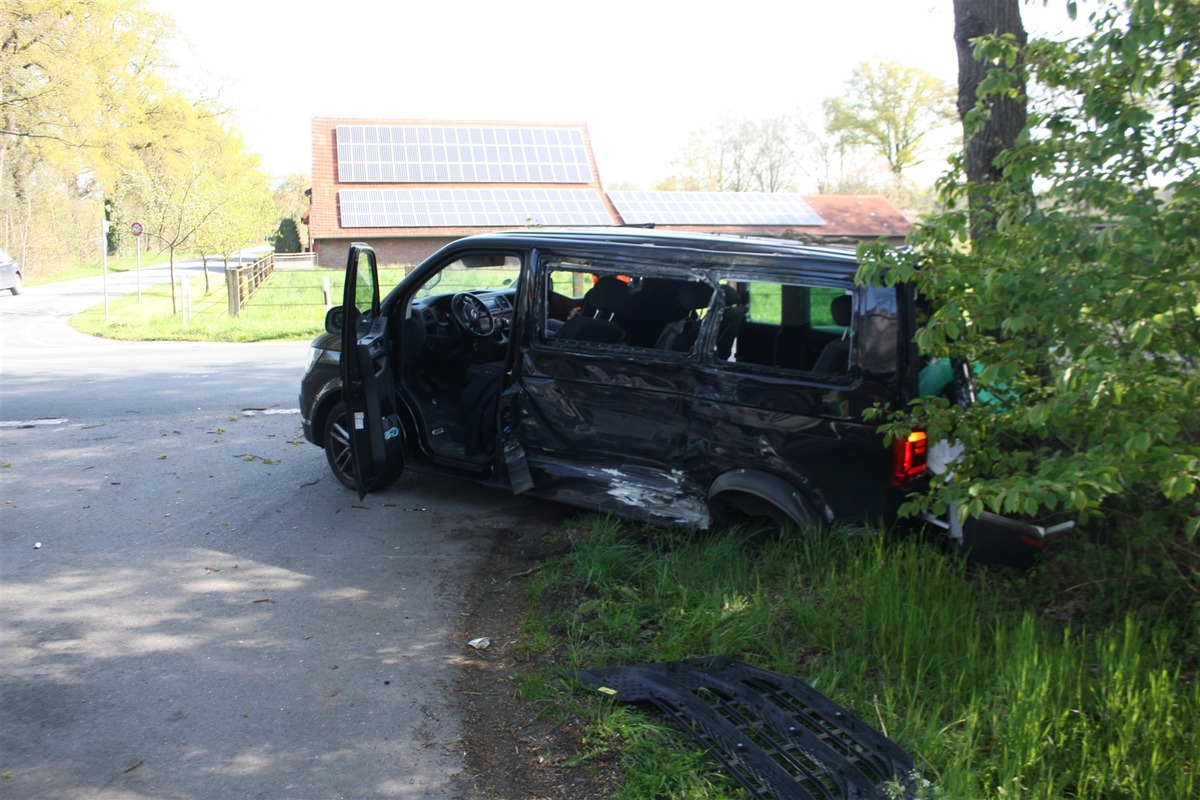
column 992, row 700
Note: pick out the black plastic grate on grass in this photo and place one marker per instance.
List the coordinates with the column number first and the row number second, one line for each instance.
column 780, row 738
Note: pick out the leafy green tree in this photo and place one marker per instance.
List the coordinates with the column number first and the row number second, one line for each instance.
column 73, row 76
column 890, row 109
column 194, row 184
column 1080, row 311
column 291, row 202
column 286, row 238
column 243, row 208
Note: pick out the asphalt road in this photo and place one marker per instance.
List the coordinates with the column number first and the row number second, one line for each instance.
column 191, row 606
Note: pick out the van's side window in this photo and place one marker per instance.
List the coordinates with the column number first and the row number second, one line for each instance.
column 788, row 326
column 604, row 304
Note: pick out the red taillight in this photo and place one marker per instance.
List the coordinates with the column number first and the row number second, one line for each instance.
column 908, row 458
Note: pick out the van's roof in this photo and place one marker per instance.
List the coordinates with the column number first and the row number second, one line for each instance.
column 634, row 236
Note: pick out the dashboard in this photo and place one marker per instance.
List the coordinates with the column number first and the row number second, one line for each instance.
column 439, row 322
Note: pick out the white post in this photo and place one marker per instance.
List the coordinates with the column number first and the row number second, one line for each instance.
column 185, row 296
column 104, row 265
column 138, row 239
column 325, row 287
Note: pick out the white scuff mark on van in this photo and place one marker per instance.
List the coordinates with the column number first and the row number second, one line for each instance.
column 675, row 476
column 668, row 502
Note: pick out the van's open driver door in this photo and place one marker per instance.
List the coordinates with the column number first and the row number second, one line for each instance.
column 366, row 370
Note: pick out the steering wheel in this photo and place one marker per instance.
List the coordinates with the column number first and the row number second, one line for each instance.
column 472, row 314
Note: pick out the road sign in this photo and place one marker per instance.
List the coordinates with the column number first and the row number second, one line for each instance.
column 136, row 228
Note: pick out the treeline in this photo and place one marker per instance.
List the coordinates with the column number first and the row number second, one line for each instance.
column 94, row 130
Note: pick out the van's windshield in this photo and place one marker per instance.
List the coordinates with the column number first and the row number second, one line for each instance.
column 484, row 272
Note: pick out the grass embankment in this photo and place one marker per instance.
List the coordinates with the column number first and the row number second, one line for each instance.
column 992, row 696
column 289, row 305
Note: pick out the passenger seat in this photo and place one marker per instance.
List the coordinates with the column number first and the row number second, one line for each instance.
column 835, row 357
column 680, row 336
column 597, row 318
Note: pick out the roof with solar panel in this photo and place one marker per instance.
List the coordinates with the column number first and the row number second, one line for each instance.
column 452, row 178
column 437, row 153
column 390, row 179
column 714, row 208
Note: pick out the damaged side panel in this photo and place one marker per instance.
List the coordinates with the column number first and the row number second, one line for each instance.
column 642, row 494
column 714, row 374
column 609, row 434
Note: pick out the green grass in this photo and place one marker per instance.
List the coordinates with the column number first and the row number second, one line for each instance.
column 290, row 305
column 992, row 698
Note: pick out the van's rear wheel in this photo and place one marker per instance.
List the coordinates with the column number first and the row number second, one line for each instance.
column 735, row 507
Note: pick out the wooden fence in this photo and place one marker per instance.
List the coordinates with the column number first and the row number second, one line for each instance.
column 242, row 281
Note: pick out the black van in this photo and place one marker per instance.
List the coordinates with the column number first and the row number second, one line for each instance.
column 667, row 377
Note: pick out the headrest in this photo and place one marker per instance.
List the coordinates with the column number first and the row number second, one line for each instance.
column 695, row 295
column 732, row 296
column 842, row 309
column 609, row 294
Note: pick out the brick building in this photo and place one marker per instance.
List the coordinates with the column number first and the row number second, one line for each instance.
column 409, row 187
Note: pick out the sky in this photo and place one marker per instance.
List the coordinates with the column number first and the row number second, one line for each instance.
column 641, row 74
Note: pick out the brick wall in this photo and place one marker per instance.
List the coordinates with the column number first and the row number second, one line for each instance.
column 332, row 252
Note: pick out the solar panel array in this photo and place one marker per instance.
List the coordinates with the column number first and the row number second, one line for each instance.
column 461, row 154
column 714, row 208
column 458, row 208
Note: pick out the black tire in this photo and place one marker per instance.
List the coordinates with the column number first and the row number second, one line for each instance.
column 337, row 445
column 337, row 452
column 16, row 287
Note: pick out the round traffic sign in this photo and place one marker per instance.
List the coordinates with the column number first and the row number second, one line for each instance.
column 136, row 228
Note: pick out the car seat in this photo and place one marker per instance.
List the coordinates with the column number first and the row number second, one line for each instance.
column 597, row 318
column 681, row 335
column 835, row 357
column 654, row 306
column 481, row 402
column 732, row 316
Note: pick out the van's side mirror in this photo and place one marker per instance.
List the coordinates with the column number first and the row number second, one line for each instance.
column 335, row 320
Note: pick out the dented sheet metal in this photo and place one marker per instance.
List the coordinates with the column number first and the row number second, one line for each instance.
column 664, row 497
column 779, row 737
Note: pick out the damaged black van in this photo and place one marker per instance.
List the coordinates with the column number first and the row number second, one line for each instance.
column 667, row 377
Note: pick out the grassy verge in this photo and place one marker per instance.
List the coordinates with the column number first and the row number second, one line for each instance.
column 290, row 305
column 992, row 698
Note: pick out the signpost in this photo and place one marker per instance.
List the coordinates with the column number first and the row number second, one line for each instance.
column 136, row 229
column 104, row 264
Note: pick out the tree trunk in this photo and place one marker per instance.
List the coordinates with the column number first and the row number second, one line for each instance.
column 1007, row 115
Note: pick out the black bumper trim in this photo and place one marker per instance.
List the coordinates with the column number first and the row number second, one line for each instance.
column 775, row 734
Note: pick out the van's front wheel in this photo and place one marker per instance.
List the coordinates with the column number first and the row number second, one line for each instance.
column 337, row 445
column 337, row 451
